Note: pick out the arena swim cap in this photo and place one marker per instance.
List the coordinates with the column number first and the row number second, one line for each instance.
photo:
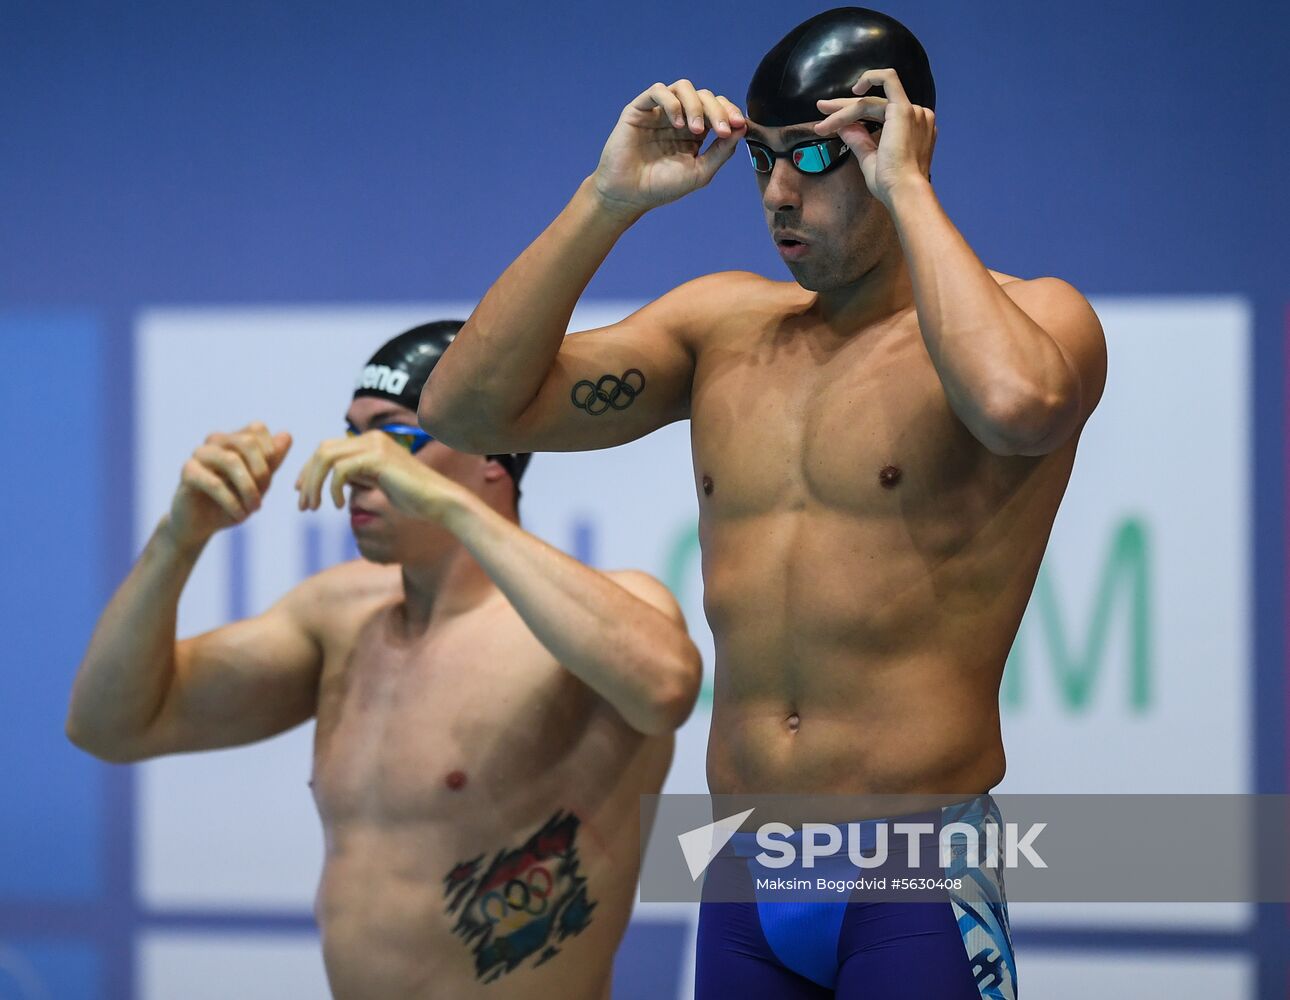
column 823, row 58
column 399, row 369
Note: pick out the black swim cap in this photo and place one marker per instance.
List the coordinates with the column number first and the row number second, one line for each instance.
column 823, row 58
column 399, row 370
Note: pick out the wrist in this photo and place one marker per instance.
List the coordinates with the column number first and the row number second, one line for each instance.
column 176, row 544
column 622, row 214
column 456, row 510
column 907, row 192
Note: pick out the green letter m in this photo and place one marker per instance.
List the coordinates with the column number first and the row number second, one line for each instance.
column 1124, row 572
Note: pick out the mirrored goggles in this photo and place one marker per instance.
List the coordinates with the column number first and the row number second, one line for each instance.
column 405, row 435
column 814, row 156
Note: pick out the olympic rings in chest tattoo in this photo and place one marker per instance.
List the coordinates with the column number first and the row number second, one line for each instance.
column 519, row 895
column 608, row 392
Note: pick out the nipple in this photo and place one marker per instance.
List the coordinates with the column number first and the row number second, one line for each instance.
column 889, row 476
column 456, row 780
column 708, row 486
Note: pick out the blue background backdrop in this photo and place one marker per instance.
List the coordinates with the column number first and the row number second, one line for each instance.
column 253, row 153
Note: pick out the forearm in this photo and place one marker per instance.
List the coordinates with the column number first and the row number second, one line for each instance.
column 1004, row 376
column 498, row 362
column 128, row 666
column 635, row 656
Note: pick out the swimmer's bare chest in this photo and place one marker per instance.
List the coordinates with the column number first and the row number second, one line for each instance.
column 791, row 417
column 442, row 760
column 825, row 461
column 472, row 712
column 857, row 542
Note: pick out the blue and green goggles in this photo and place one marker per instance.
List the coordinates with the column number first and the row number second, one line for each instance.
column 405, row 435
column 814, row 156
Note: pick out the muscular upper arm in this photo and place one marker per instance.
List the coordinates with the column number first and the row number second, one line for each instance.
column 651, row 590
column 240, row 683
column 1068, row 319
column 617, row 383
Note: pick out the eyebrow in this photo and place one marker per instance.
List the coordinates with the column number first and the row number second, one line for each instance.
column 788, row 135
column 378, row 418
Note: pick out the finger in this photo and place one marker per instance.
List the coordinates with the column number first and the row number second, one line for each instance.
column 875, row 106
column 689, row 98
column 300, row 481
column 859, row 139
column 248, row 445
column 262, row 435
column 884, row 78
column 844, row 111
column 344, row 471
column 662, row 97
column 338, row 476
column 312, row 475
column 320, row 467
column 200, row 479
column 229, row 464
column 658, row 96
column 733, row 114
column 717, row 155
column 331, row 455
column 281, row 445
column 715, row 112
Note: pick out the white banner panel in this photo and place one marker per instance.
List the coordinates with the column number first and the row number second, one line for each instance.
column 1132, row 669
column 1054, row 976
column 219, row 966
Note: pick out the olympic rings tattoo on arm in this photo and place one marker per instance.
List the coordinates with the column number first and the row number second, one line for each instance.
column 608, row 392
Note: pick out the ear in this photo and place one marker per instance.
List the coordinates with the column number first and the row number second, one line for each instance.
column 493, row 470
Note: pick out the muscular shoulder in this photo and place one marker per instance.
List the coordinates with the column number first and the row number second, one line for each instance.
column 739, row 288
column 1047, row 292
column 649, row 589
column 322, row 602
column 1065, row 315
column 706, row 306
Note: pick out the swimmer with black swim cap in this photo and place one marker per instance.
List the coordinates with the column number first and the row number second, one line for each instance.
column 400, row 368
column 817, row 69
column 880, row 447
column 823, row 58
column 484, row 702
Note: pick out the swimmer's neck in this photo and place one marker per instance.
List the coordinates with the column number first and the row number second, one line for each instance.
column 443, row 589
column 882, row 291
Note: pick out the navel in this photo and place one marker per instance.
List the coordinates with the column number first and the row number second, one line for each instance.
column 794, row 721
